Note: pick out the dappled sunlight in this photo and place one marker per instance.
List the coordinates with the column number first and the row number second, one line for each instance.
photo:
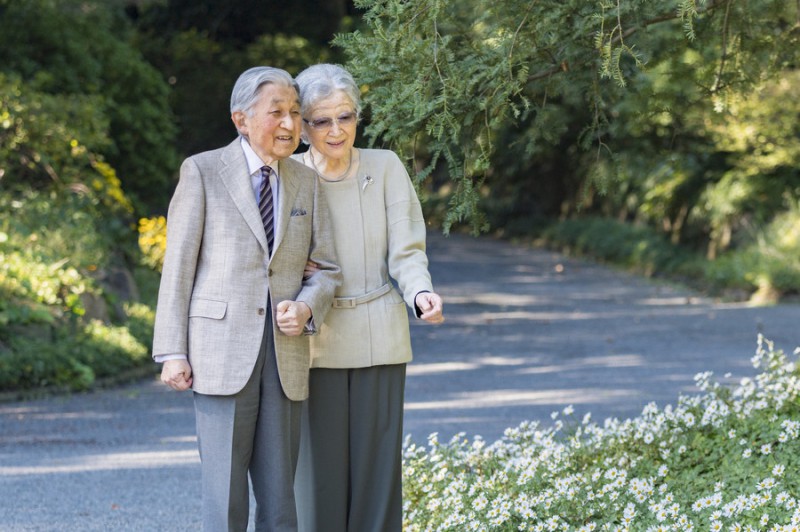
column 501, row 299
column 107, row 462
column 440, row 367
column 12, row 410
column 501, row 398
column 483, row 317
column 611, row 361
column 180, row 439
column 419, row 369
column 56, row 416
column 669, row 301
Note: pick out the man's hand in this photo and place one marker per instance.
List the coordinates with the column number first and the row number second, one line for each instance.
column 431, row 306
column 292, row 317
column 177, row 374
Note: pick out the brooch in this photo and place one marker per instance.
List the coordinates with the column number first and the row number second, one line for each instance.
column 367, row 181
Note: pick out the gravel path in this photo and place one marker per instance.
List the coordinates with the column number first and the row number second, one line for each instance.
column 528, row 332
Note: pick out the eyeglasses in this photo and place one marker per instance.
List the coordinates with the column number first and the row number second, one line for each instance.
column 324, row 124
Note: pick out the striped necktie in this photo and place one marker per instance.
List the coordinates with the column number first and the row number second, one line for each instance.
column 265, row 205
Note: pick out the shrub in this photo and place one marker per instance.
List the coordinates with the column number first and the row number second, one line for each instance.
column 767, row 268
column 638, row 248
column 69, row 360
column 724, row 459
column 153, row 241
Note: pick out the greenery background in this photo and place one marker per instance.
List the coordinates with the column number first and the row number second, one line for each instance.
column 662, row 136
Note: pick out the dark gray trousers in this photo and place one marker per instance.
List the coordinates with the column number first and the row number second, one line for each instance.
column 256, row 431
column 349, row 476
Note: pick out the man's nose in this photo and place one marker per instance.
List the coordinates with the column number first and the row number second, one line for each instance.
column 288, row 121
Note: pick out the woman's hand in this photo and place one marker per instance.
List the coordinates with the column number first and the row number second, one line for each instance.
column 431, row 306
column 310, row 269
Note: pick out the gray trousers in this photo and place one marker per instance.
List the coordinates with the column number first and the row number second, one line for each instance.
column 349, row 476
column 258, row 431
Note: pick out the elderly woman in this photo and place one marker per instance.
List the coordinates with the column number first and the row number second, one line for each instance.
column 349, row 476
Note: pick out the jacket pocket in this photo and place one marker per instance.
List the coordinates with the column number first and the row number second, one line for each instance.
column 207, row 308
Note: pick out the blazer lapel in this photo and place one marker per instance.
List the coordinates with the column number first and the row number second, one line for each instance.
column 288, row 192
column 236, row 178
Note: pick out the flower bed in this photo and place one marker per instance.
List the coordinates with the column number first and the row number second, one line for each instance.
column 727, row 458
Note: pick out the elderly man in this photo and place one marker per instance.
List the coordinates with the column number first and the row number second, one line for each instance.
column 234, row 309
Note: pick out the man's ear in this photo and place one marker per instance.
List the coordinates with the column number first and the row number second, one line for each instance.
column 240, row 121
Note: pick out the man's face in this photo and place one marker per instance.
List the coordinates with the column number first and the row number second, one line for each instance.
column 273, row 124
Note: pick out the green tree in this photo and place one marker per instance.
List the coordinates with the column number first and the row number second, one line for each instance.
column 202, row 47
column 80, row 49
column 473, row 84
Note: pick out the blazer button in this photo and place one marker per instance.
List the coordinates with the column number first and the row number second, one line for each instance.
column 261, row 312
column 269, row 272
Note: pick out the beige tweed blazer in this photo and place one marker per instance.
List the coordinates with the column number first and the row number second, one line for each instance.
column 217, row 275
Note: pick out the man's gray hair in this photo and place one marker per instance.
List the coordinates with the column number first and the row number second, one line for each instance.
column 246, row 90
column 321, row 81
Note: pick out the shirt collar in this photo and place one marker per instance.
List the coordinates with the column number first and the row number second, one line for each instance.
column 254, row 162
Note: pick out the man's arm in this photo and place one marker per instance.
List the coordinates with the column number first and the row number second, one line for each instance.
column 184, row 236
column 320, row 286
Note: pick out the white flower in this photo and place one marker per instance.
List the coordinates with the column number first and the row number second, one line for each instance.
column 480, row 503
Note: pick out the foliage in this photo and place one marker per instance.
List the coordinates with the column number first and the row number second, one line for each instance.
column 723, row 459
column 63, row 227
column 612, row 107
column 153, row 241
column 74, row 361
column 80, row 53
column 202, row 49
column 49, row 335
column 769, row 265
column 637, row 248
column 763, row 271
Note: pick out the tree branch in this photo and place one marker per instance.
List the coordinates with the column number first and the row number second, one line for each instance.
column 724, row 56
column 563, row 66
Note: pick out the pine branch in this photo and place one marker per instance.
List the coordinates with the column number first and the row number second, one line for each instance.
column 564, row 65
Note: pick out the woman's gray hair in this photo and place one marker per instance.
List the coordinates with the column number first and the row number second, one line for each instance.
column 321, row 81
column 246, row 89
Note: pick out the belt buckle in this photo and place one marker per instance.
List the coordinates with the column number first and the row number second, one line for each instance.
column 345, row 302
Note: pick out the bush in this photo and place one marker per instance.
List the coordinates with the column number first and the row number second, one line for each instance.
column 153, row 241
column 67, row 360
column 724, row 459
column 769, row 266
column 766, row 269
column 638, row 248
column 79, row 53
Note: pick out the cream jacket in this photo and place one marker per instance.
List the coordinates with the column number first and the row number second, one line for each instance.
column 379, row 236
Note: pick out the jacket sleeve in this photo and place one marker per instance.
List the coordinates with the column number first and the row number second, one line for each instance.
column 407, row 260
column 185, row 223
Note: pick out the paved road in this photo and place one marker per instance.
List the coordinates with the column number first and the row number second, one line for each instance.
column 527, row 333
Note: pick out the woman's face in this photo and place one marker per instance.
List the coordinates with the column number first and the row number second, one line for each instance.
column 331, row 126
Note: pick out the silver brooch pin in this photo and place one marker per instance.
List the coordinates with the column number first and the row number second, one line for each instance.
column 367, row 181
